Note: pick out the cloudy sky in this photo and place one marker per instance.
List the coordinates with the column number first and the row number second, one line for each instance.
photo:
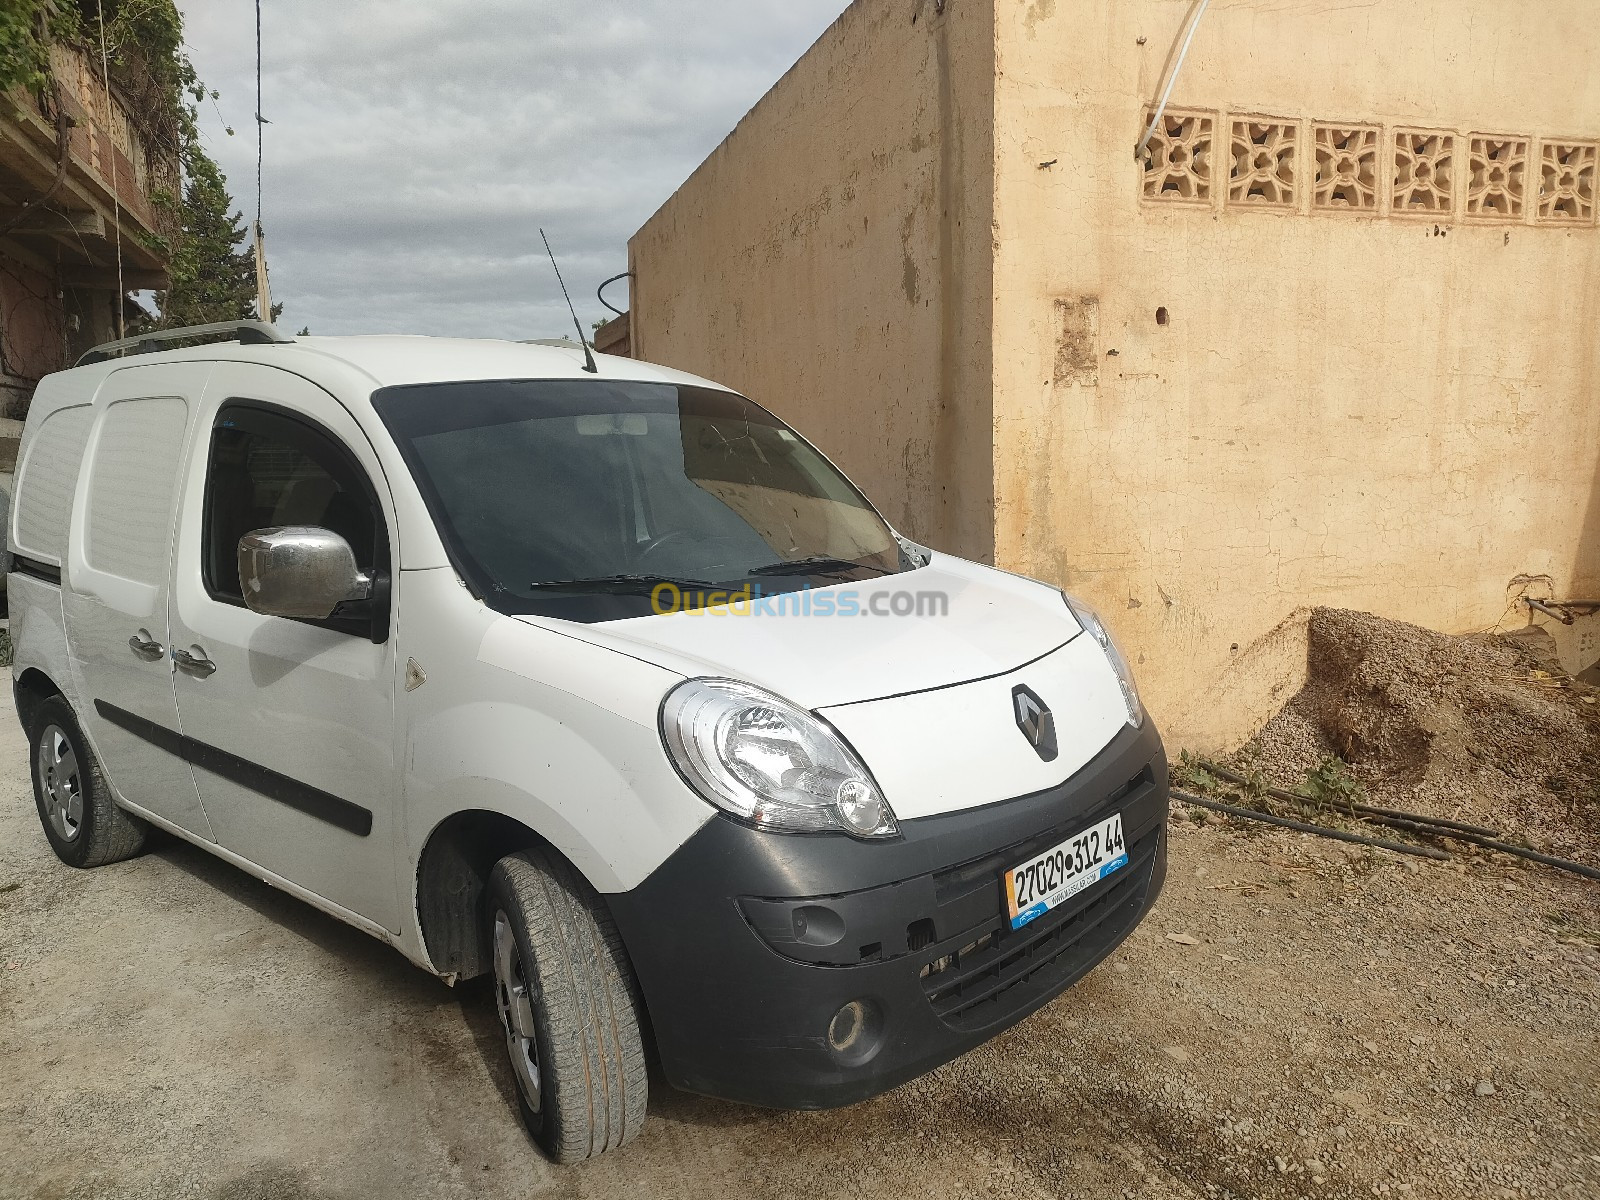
column 416, row 146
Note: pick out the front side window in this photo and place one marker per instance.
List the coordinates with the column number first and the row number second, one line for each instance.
column 270, row 469
column 571, row 496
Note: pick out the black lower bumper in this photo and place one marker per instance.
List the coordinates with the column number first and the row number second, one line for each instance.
column 747, row 944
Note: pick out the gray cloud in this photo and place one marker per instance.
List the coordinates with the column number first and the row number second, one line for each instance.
column 416, row 146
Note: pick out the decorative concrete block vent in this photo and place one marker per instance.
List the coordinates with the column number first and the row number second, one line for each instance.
column 1347, row 167
column 1264, row 154
column 1567, row 182
column 1178, row 162
column 1424, row 172
column 1497, row 178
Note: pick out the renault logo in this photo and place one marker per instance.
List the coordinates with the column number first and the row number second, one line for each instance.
column 1035, row 721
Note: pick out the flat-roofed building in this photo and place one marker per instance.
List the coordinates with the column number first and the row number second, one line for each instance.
column 1333, row 339
column 84, row 182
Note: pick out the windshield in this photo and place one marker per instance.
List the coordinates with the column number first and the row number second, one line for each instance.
column 573, row 497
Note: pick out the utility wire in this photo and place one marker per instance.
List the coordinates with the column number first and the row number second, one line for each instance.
column 260, row 120
column 116, row 199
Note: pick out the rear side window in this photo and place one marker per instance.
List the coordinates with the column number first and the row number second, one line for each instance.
column 269, row 469
column 133, row 488
column 48, row 478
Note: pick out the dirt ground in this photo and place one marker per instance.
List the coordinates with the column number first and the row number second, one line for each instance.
column 1296, row 1018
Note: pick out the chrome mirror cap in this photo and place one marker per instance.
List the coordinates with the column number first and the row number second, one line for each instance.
column 299, row 571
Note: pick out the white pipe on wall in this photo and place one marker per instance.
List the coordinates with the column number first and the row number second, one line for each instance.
column 1172, row 78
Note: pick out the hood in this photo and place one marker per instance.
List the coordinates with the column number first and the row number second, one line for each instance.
column 991, row 623
column 963, row 747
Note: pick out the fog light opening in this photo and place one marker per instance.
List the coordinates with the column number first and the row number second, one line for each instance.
column 847, row 1026
column 855, row 1031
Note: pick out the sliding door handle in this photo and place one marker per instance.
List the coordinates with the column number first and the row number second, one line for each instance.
column 145, row 646
column 197, row 665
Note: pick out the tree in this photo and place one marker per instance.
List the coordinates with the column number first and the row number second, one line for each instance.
column 213, row 277
column 26, row 27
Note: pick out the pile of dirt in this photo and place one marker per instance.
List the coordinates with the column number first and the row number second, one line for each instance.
column 1481, row 728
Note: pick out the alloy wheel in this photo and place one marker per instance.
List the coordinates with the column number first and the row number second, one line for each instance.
column 60, row 782
column 515, row 1002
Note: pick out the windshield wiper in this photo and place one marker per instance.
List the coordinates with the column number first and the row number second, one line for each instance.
column 619, row 584
column 820, row 564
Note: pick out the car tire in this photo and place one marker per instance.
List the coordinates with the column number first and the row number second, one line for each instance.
column 85, row 826
column 568, row 1006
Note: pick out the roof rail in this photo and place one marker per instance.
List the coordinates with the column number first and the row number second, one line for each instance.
column 246, row 333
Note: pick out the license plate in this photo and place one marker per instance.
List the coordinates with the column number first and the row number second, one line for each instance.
column 1060, row 873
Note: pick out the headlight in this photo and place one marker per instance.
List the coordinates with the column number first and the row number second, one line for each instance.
column 1090, row 620
column 768, row 762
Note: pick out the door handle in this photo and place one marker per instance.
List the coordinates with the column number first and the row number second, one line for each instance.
column 145, row 646
column 198, row 666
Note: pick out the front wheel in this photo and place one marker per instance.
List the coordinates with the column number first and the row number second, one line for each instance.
column 568, row 1006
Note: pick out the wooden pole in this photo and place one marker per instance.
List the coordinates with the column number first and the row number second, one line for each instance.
column 263, row 288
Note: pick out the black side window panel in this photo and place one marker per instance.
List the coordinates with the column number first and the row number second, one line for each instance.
column 268, row 468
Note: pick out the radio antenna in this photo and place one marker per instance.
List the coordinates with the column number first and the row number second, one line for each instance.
column 588, row 356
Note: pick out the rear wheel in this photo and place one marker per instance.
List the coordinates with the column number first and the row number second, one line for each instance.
column 83, row 823
column 568, row 1007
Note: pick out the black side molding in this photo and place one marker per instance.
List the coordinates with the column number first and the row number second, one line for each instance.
column 302, row 797
column 34, row 569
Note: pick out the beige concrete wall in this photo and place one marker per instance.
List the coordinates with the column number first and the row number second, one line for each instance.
column 832, row 260
column 929, row 248
column 1382, row 411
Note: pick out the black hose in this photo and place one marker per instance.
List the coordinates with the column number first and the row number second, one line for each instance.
column 600, row 292
column 1560, row 864
column 1337, row 835
column 1297, row 798
column 1417, row 827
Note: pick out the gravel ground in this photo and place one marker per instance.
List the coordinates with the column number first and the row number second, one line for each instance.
column 1481, row 728
column 1293, row 1020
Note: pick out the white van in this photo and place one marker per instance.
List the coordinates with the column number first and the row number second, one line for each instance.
column 605, row 684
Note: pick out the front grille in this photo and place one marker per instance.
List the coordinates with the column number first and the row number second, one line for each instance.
column 1001, row 969
column 981, row 873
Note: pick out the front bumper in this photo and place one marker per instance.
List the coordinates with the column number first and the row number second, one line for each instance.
column 746, row 943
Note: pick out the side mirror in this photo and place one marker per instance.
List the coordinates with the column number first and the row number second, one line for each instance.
column 299, row 571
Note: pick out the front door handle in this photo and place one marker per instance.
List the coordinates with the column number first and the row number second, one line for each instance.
column 145, row 646
column 197, row 665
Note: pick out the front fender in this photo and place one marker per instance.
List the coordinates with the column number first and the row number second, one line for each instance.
column 582, row 779
column 559, row 735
